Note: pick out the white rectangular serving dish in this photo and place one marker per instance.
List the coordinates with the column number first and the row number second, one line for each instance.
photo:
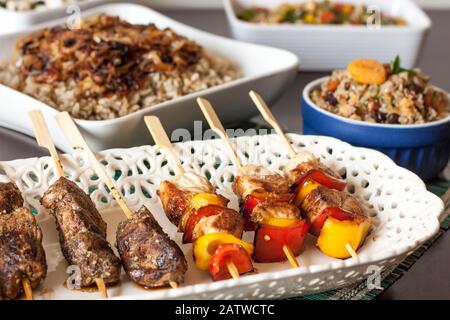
column 328, row 47
column 403, row 212
column 14, row 21
column 264, row 69
column 182, row 4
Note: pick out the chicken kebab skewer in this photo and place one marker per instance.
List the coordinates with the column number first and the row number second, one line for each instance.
column 280, row 229
column 82, row 230
column 150, row 258
column 337, row 218
column 23, row 266
column 191, row 203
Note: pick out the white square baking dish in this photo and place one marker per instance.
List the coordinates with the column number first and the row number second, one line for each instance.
column 327, row 47
column 266, row 70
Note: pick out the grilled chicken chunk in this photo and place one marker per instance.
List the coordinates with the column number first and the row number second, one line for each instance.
column 10, row 197
column 301, row 164
column 149, row 256
column 275, row 210
column 227, row 220
column 175, row 195
column 258, row 178
column 322, row 197
column 21, row 252
column 82, row 233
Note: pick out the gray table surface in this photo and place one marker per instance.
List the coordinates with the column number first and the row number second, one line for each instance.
column 429, row 278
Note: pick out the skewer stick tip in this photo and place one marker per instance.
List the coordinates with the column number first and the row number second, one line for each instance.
column 27, row 289
column 232, row 269
column 173, row 284
column 290, row 256
column 102, row 288
column 351, row 251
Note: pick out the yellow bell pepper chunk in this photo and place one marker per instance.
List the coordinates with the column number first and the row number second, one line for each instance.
column 280, row 222
column 309, row 18
column 308, row 186
column 205, row 199
column 206, row 246
column 336, row 234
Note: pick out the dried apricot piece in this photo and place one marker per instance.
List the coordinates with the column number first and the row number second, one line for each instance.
column 367, row 71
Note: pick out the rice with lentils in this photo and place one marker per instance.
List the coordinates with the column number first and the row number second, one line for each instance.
column 398, row 97
column 109, row 68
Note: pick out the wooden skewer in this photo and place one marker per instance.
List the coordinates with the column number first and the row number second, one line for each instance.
column 162, row 140
column 44, row 140
column 27, row 289
column 351, row 251
column 102, row 288
column 268, row 116
column 75, row 138
column 217, row 126
column 77, row 141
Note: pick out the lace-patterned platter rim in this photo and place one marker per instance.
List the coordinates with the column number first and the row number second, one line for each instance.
column 404, row 213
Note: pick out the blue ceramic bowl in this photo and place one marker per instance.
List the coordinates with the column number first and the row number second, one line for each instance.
column 421, row 148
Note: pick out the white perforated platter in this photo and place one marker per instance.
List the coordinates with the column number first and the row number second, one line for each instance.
column 404, row 213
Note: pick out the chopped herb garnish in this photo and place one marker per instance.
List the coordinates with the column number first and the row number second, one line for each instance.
column 396, row 66
column 290, row 16
column 247, row 15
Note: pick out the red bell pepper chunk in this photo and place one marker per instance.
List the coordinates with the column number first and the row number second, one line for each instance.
column 229, row 252
column 336, row 213
column 270, row 240
column 328, row 17
column 320, row 177
column 195, row 217
column 252, row 200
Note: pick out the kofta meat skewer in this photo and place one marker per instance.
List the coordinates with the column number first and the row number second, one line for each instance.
column 190, row 202
column 22, row 258
column 82, row 231
column 150, row 258
column 298, row 226
column 337, row 218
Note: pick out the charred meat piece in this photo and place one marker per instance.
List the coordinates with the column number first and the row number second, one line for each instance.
column 149, row 256
column 10, row 197
column 74, row 210
column 322, row 197
column 258, row 178
column 175, row 202
column 175, row 195
column 275, row 210
column 21, row 253
column 227, row 220
column 301, row 164
column 82, row 233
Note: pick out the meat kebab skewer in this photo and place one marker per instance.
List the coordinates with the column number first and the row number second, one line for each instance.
column 150, row 258
column 190, row 202
column 22, row 258
column 280, row 225
column 337, row 218
column 82, row 231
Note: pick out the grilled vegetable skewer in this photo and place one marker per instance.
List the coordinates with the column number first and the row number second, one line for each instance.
column 150, row 258
column 337, row 218
column 22, row 258
column 82, row 231
column 191, row 203
column 280, row 226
